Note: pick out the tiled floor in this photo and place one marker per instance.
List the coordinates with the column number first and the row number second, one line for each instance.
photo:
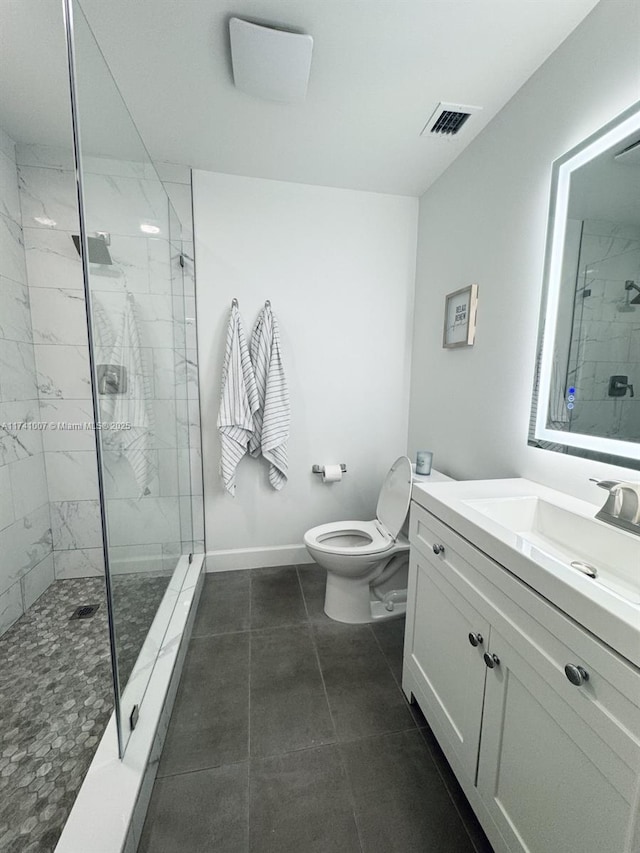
column 291, row 734
column 56, row 696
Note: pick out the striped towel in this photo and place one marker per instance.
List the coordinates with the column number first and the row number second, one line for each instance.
column 134, row 405
column 238, row 401
column 271, row 432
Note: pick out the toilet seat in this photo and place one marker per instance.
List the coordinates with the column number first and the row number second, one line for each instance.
column 364, row 558
column 363, row 538
column 341, row 537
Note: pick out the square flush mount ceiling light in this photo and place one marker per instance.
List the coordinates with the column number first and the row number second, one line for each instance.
column 269, row 63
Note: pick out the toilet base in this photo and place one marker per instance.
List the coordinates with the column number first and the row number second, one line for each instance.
column 353, row 602
column 379, row 612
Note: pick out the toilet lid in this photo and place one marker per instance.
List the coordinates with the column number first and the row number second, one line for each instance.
column 395, row 496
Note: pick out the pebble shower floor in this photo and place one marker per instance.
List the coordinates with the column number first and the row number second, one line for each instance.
column 56, row 697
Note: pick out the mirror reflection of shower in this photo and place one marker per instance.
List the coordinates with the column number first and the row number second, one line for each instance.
column 628, row 304
column 593, row 397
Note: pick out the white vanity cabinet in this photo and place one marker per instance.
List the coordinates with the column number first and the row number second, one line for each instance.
column 548, row 766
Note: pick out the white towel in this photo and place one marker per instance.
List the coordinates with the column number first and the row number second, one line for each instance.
column 133, row 406
column 271, row 433
column 238, row 401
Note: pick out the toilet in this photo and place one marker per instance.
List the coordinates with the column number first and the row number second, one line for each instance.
column 367, row 561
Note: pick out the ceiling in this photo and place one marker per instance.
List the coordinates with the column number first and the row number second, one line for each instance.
column 379, row 69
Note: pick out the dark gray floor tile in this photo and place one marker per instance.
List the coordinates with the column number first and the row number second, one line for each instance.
column 198, row 812
column 418, row 717
column 474, row 830
column 401, row 802
column 289, row 708
column 313, row 580
column 209, row 724
column 299, row 803
column 364, row 697
column 224, row 604
column 276, row 598
column 390, row 636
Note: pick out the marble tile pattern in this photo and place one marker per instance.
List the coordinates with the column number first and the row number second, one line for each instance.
column 49, row 349
column 121, row 196
column 606, row 337
column 26, row 567
column 56, row 698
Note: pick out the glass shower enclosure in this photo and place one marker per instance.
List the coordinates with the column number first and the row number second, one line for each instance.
column 140, row 308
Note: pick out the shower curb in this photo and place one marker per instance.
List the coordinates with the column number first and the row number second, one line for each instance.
column 109, row 811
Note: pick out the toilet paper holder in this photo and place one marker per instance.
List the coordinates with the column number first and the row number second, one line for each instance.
column 319, row 469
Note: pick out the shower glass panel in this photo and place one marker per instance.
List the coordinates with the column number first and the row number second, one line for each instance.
column 138, row 311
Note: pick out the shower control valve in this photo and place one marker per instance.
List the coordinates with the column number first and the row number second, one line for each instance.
column 619, row 385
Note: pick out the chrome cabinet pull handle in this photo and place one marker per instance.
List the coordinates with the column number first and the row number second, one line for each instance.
column 491, row 660
column 438, row 549
column 576, row 674
column 476, row 639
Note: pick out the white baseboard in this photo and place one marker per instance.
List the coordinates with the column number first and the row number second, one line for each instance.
column 256, row 558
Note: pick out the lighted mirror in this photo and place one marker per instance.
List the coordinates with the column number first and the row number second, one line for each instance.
column 587, row 391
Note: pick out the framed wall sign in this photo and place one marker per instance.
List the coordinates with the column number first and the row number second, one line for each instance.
column 460, row 308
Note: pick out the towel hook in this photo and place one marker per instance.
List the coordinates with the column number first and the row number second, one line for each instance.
column 234, row 303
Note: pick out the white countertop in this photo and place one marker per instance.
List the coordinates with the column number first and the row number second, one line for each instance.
column 426, row 479
column 609, row 616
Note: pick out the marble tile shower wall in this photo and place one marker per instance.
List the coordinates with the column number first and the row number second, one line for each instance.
column 146, row 533
column 26, row 562
column 177, row 183
column 606, row 339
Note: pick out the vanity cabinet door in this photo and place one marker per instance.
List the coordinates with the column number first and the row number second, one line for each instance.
column 548, row 780
column 448, row 669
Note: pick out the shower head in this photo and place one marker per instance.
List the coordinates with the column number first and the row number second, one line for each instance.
column 631, row 285
column 98, row 251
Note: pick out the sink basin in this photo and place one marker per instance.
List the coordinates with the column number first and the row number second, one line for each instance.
column 537, row 533
column 548, row 532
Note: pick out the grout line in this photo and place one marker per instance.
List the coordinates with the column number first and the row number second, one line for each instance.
column 384, row 655
column 420, row 729
column 333, row 722
column 310, row 748
column 447, row 789
column 395, row 680
column 200, row 770
column 220, row 634
column 303, row 624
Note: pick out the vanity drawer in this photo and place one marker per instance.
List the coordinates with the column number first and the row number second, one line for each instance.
column 547, row 638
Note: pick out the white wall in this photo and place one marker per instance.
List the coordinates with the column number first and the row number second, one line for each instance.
column 484, row 221
column 338, row 267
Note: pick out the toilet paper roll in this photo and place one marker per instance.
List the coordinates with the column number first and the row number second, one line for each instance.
column 332, row 474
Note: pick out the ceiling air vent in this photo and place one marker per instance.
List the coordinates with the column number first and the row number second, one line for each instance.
column 447, row 120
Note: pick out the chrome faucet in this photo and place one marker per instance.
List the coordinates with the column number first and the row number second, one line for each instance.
column 622, row 506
